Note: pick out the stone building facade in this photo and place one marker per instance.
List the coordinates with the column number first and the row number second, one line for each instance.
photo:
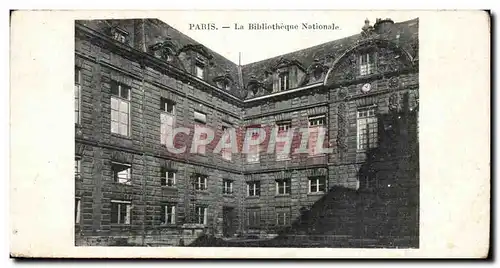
column 136, row 79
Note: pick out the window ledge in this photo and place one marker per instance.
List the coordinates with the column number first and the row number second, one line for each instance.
column 121, row 136
column 205, row 192
column 228, row 195
column 124, row 184
column 169, row 187
column 282, row 195
column 316, row 155
column 253, row 197
column 316, row 193
column 283, row 159
column 168, row 225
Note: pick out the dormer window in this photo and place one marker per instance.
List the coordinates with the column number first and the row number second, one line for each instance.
column 367, row 63
column 199, row 70
column 284, row 82
column 119, row 35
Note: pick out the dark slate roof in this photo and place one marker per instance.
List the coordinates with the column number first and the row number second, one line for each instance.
column 326, row 53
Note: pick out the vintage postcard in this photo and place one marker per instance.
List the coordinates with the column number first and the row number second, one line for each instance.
column 250, row 134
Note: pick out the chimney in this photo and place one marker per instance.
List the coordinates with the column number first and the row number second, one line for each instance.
column 382, row 26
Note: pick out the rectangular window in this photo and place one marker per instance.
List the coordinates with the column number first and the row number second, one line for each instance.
column 227, row 186
column 168, row 214
column 168, row 178
column 226, row 152
column 367, row 128
column 284, row 82
column 199, row 71
column 283, row 186
column 78, row 167
column 200, row 183
column 200, row 120
column 120, row 212
column 200, row 214
column 366, row 63
column 167, row 119
column 253, row 188
column 78, row 210
column 253, row 217
column 253, row 154
column 78, row 93
column 283, row 128
column 282, row 216
column 317, row 184
column 122, row 173
column 120, row 35
column 120, row 109
column 315, row 123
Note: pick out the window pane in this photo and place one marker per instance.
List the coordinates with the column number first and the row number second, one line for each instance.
column 114, row 213
column 114, row 127
column 125, row 91
column 115, row 103
column 114, row 89
column 123, row 106
column 123, row 129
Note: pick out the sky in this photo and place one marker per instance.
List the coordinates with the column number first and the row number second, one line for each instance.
column 259, row 45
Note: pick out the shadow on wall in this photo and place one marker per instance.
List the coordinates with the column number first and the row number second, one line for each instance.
column 383, row 212
column 385, row 208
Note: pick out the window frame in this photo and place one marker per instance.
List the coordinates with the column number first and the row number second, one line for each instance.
column 227, row 187
column 199, row 66
column 254, row 157
column 116, row 178
column 256, row 217
column 128, row 211
column 120, row 99
column 256, row 189
column 165, row 214
column 197, row 215
column 78, row 167
column 226, row 153
column 288, row 123
column 313, row 128
column 285, row 214
column 78, row 95
column 198, row 182
column 318, row 180
column 369, row 67
column 283, row 81
column 78, row 210
column 287, row 186
column 368, row 123
column 165, row 177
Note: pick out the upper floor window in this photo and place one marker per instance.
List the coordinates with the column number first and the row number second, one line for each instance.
column 253, row 154
column 167, row 177
column 119, row 35
column 283, row 129
column 317, row 184
column 253, row 188
column 366, row 63
column 367, row 127
column 120, row 109
column 283, row 186
column 226, row 152
column 167, row 119
column 78, row 79
column 200, row 121
column 122, row 173
column 315, row 123
column 282, row 216
column 227, row 186
column 200, row 183
column 200, row 70
column 284, row 81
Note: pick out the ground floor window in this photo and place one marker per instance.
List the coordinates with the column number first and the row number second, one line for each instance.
column 120, row 211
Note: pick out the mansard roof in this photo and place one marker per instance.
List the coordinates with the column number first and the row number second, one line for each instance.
column 402, row 34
